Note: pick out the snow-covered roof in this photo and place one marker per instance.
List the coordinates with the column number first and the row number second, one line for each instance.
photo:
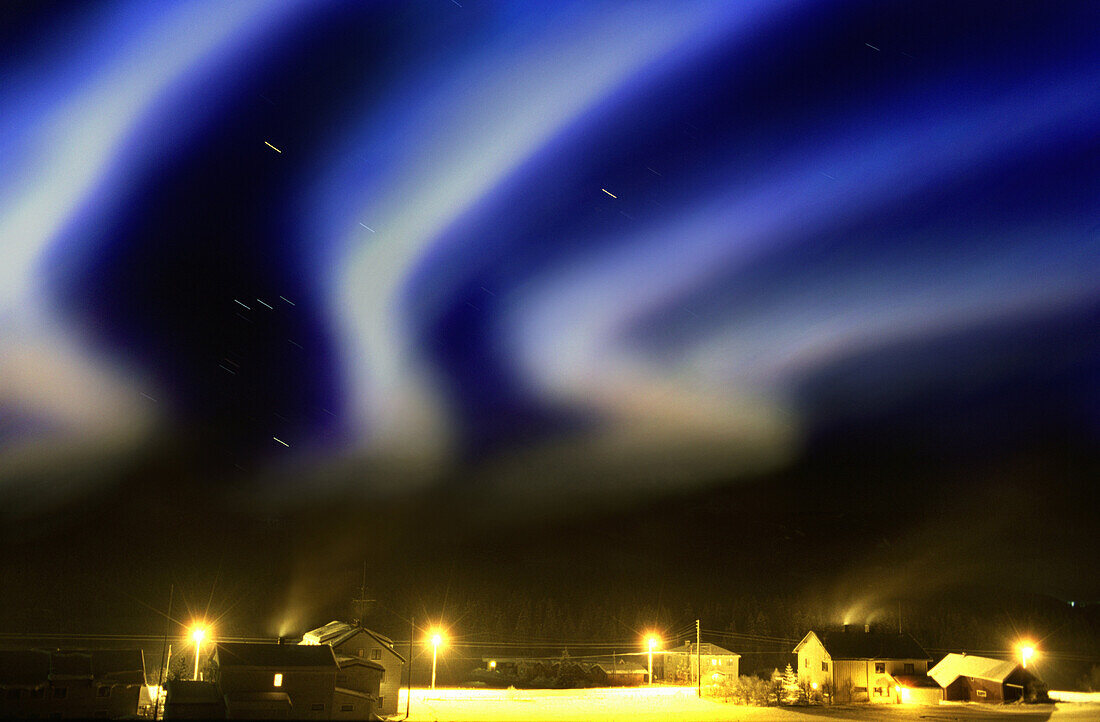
column 620, row 667
column 336, row 632
column 954, row 666
column 706, row 649
column 866, row 645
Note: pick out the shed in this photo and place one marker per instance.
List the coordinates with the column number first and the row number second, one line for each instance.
column 966, row 677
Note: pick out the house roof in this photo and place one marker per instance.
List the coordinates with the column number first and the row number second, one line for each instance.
column 190, row 692
column 706, row 649
column 252, row 654
column 336, row 632
column 954, row 666
column 121, row 666
column 354, row 693
column 867, row 645
column 345, row 661
column 915, row 681
column 34, row 667
column 620, row 667
column 70, row 665
column 24, row 667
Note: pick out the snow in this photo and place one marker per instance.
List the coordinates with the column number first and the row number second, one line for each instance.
column 1075, row 696
column 635, row 703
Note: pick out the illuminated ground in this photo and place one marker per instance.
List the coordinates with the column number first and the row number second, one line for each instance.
column 679, row 703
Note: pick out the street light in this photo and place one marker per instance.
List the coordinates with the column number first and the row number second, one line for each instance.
column 198, row 633
column 652, row 642
column 1026, row 652
column 436, row 639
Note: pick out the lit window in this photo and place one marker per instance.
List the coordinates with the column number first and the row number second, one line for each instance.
column 713, row 662
column 278, row 679
column 360, row 652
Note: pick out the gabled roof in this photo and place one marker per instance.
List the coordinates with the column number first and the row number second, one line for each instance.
column 34, row 667
column 336, row 633
column 867, row 645
column 954, row 666
column 915, row 681
column 70, row 665
column 620, row 667
column 180, row 691
column 120, row 666
column 345, row 661
column 24, row 667
column 706, row 649
column 251, row 654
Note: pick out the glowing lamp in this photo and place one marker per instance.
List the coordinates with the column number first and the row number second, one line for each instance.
column 1026, row 652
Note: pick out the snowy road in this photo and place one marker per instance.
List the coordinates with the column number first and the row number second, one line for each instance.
column 680, row 703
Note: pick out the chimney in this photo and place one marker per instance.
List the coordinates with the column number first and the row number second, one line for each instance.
column 867, row 628
column 845, row 627
column 282, row 640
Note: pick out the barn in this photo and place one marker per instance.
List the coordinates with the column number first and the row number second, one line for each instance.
column 969, row 678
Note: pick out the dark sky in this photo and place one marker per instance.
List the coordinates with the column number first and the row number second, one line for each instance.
column 450, row 282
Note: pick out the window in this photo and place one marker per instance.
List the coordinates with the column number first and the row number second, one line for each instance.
column 713, row 662
column 347, row 707
column 824, row 666
column 806, row 663
column 103, row 691
column 880, row 667
column 878, row 691
column 319, row 707
column 383, row 677
column 981, row 693
column 278, row 681
column 60, row 692
column 376, row 653
column 381, row 701
column 909, row 669
column 360, row 652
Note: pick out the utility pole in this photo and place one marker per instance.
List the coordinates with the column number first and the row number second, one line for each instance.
column 699, row 658
column 164, row 650
column 409, row 696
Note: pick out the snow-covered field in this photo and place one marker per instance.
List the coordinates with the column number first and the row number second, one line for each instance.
column 636, row 703
column 680, row 703
column 1075, row 696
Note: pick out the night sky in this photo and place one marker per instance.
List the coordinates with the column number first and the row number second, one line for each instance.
column 450, row 282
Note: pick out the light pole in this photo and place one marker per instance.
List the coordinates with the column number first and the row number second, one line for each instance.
column 436, row 640
column 197, row 634
column 652, row 643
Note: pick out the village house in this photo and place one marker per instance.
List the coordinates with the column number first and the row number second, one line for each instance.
column 84, row 684
column 618, row 673
column 186, row 699
column 368, row 663
column 965, row 677
column 679, row 663
column 862, row 666
column 273, row 681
